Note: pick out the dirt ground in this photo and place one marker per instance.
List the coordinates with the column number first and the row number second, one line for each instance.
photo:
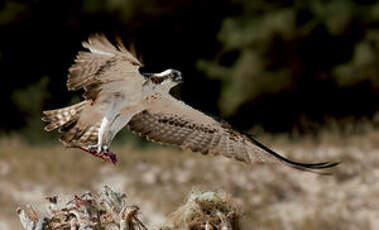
column 158, row 179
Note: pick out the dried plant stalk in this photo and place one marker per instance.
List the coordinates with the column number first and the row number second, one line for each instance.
column 109, row 210
column 104, row 211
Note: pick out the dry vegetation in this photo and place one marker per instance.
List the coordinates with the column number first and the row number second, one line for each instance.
column 208, row 210
column 158, row 179
column 105, row 210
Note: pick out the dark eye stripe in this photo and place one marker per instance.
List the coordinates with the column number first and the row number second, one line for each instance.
column 157, row 80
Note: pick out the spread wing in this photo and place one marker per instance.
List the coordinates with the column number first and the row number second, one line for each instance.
column 102, row 65
column 169, row 121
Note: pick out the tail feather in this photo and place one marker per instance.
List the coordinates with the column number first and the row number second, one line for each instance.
column 89, row 135
column 62, row 118
column 71, row 136
column 66, row 121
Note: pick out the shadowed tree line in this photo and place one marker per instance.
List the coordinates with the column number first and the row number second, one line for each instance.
column 277, row 64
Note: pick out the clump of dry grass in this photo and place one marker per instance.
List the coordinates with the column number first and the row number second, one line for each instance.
column 272, row 198
column 206, row 210
column 111, row 210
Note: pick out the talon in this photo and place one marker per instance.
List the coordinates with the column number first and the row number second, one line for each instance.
column 105, row 148
column 104, row 154
column 93, row 149
column 111, row 157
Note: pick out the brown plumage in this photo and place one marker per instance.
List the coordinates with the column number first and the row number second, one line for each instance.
column 103, row 63
column 62, row 118
column 117, row 94
column 171, row 122
column 66, row 121
column 97, row 71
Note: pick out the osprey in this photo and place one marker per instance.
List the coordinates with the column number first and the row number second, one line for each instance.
column 116, row 94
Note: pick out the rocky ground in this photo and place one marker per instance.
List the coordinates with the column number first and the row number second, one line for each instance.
column 158, row 179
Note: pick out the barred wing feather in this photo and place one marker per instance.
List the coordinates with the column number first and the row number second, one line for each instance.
column 101, row 64
column 171, row 122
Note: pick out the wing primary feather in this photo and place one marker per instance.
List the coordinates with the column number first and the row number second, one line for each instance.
column 295, row 164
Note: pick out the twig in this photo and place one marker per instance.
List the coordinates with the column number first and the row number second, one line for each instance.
column 107, row 210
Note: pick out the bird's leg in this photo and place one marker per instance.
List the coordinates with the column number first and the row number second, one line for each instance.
column 98, row 148
column 92, row 148
column 104, row 125
column 101, row 149
column 107, row 156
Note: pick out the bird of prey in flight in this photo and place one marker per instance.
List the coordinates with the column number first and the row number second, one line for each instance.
column 116, row 94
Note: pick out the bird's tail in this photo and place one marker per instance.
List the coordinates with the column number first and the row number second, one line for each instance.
column 64, row 117
column 74, row 133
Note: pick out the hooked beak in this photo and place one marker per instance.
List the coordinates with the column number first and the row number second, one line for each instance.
column 178, row 78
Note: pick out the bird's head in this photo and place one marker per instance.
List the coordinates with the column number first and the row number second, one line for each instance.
column 165, row 80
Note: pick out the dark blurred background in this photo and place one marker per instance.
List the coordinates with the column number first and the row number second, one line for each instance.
column 278, row 66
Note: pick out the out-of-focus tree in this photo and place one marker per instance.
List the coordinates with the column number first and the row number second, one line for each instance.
column 30, row 101
column 41, row 38
column 272, row 63
column 287, row 46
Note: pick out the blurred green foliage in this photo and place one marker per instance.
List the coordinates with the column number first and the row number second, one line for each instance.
column 279, row 63
column 263, row 48
column 10, row 11
column 30, row 101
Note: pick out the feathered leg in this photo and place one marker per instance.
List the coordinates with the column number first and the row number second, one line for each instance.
column 102, row 147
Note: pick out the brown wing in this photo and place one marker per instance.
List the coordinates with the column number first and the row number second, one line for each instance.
column 169, row 121
column 103, row 63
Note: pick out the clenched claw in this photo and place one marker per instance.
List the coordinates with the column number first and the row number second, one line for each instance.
column 104, row 155
column 111, row 156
